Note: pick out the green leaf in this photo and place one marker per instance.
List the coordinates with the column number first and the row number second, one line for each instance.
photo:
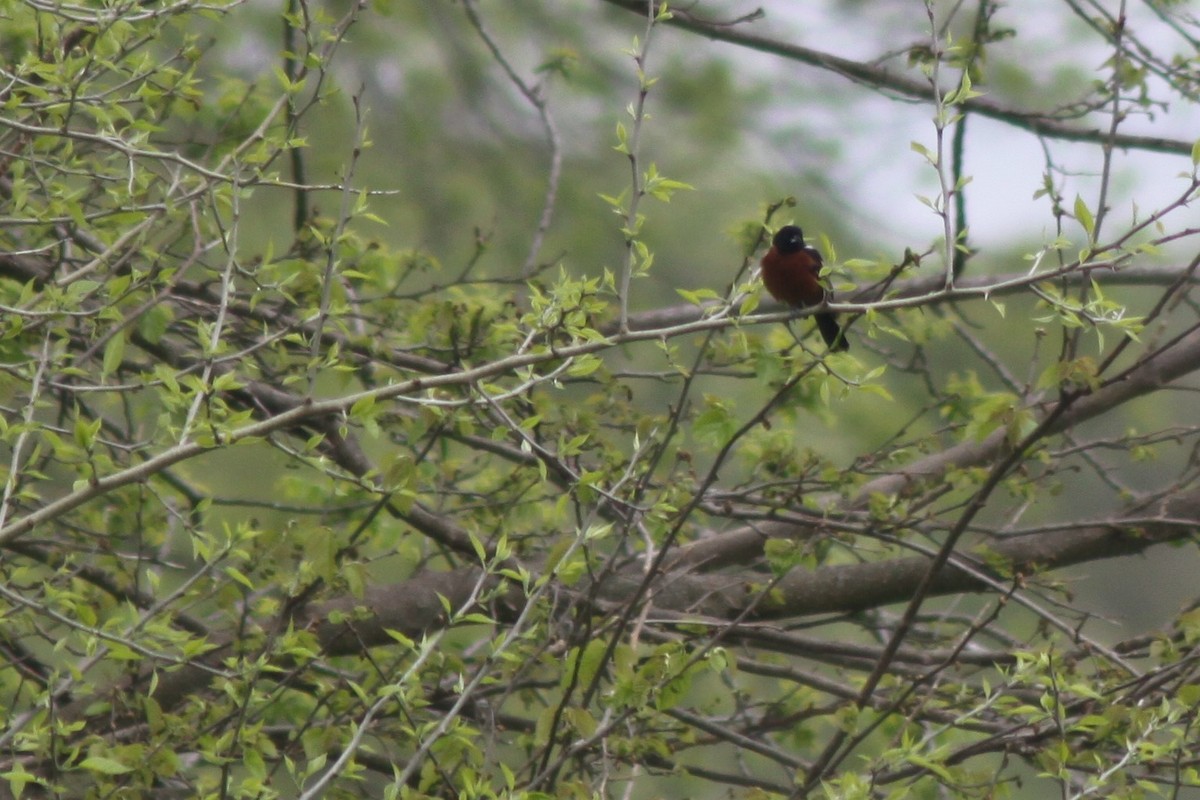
column 86, row 432
column 673, row 690
column 622, row 145
column 581, row 720
column 699, row 296
column 362, row 406
column 105, row 766
column 963, row 93
column 876, row 389
column 154, row 322
column 660, row 187
column 114, row 354
column 226, row 382
column 17, row 779
column 584, row 365
column 750, row 303
column 783, row 555
column 544, row 724
column 1084, row 215
column 571, row 571
column 240, row 577
column 716, row 423
column 289, row 86
column 925, row 152
column 590, row 660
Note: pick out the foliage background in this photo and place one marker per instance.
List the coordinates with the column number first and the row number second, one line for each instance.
column 391, row 407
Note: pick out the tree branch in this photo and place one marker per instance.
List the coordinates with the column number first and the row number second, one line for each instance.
column 886, row 80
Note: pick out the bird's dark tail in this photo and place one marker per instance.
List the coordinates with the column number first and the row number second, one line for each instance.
column 831, row 332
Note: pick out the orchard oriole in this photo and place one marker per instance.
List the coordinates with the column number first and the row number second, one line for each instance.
column 791, row 271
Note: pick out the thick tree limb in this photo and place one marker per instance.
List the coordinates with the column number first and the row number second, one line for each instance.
column 886, row 80
column 1151, row 374
column 722, row 597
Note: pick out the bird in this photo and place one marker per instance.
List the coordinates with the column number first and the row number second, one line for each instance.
column 791, row 271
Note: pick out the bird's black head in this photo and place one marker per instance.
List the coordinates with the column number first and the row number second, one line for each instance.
column 789, row 239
